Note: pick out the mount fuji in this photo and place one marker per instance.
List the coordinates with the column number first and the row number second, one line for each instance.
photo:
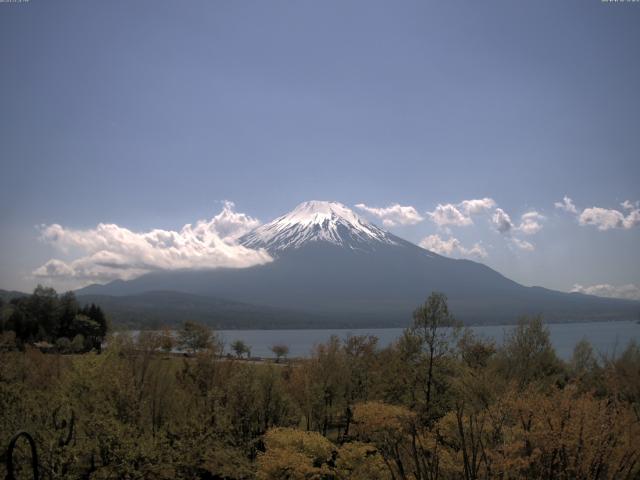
column 333, row 268
column 312, row 222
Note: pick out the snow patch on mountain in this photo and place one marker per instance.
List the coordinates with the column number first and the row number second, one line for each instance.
column 317, row 221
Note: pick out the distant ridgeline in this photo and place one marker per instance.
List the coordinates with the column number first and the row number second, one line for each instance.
column 50, row 321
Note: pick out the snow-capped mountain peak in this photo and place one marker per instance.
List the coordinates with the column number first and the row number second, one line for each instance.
column 317, row 221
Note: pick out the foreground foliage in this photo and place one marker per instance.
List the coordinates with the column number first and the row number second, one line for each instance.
column 438, row 404
column 57, row 322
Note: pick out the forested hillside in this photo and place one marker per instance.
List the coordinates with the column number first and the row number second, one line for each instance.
column 51, row 320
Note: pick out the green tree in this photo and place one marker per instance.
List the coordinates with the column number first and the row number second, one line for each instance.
column 89, row 329
column 68, row 308
column 583, row 359
column 280, row 350
column 437, row 331
column 527, row 354
column 42, row 305
column 474, row 351
column 96, row 314
column 194, row 337
column 240, row 348
column 78, row 343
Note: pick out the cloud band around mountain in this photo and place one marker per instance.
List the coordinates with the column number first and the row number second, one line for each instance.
column 628, row 291
column 108, row 251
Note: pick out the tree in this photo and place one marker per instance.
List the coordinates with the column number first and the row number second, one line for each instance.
column 391, row 429
column 294, row 454
column 95, row 313
column 63, row 345
column 45, row 315
column 560, row 434
column 437, row 331
column 42, row 306
column 329, row 386
column 361, row 461
column 474, row 351
column 528, row 355
column 280, row 350
column 67, row 310
column 78, row 344
column 89, row 329
column 623, row 374
column 240, row 348
column 148, row 341
column 358, row 362
column 194, row 337
column 22, row 323
column 7, row 340
column 167, row 341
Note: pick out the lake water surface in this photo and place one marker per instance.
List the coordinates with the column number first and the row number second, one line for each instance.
column 606, row 337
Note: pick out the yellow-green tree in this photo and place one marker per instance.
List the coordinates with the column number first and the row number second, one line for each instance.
column 292, row 454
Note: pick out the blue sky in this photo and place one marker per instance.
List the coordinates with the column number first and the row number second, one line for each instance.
column 147, row 115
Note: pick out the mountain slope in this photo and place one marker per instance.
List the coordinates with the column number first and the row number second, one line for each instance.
column 330, row 263
column 169, row 308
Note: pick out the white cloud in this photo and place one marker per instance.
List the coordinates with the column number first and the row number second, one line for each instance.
column 112, row 252
column 54, row 269
column 606, row 219
column 449, row 214
column 567, row 205
column 394, row 214
column 459, row 215
column 231, row 225
column 502, row 221
column 451, row 246
column 476, row 206
column 476, row 250
column 523, row 244
column 629, row 291
column 530, row 223
column 603, row 218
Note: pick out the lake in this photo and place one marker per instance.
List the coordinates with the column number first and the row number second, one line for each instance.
column 606, row 337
